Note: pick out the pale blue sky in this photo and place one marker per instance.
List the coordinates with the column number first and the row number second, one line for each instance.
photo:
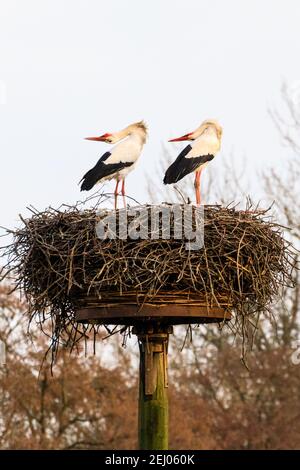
column 73, row 68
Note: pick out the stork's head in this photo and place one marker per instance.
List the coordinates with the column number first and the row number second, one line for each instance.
column 214, row 125
column 139, row 128
column 208, row 125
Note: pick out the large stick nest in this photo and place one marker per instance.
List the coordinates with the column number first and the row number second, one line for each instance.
column 56, row 258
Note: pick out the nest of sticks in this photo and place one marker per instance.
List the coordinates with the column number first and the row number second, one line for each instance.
column 57, row 260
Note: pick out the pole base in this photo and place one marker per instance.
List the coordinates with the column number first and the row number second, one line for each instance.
column 153, row 391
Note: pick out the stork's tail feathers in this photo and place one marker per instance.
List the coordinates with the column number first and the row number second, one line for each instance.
column 101, row 171
column 169, row 177
column 88, row 181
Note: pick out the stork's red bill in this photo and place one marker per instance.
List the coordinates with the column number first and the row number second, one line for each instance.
column 206, row 142
column 120, row 160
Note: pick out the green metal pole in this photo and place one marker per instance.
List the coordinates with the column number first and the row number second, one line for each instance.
column 153, row 392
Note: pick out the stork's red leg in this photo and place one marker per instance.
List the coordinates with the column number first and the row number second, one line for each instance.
column 197, row 187
column 123, row 192
column 116, row 194
column 116, row 190
column 123, row 187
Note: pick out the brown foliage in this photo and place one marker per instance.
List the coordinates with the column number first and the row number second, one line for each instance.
column 82, row 405
column 215, row 402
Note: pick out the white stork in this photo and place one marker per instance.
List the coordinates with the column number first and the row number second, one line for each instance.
column 206, row 142
column 120, row 160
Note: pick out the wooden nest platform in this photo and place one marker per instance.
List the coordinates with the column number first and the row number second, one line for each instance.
column 166, row 308
column 72, row 277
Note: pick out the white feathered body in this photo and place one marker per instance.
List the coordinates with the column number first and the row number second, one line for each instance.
column 204, row 145
column 121, row 159
column 128, row 150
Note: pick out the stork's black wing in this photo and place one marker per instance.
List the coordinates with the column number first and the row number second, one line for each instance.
column 182, row 166
column 101, row 170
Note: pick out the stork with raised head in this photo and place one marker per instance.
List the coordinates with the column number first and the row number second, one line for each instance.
column 206, row 142
column 120, row 160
